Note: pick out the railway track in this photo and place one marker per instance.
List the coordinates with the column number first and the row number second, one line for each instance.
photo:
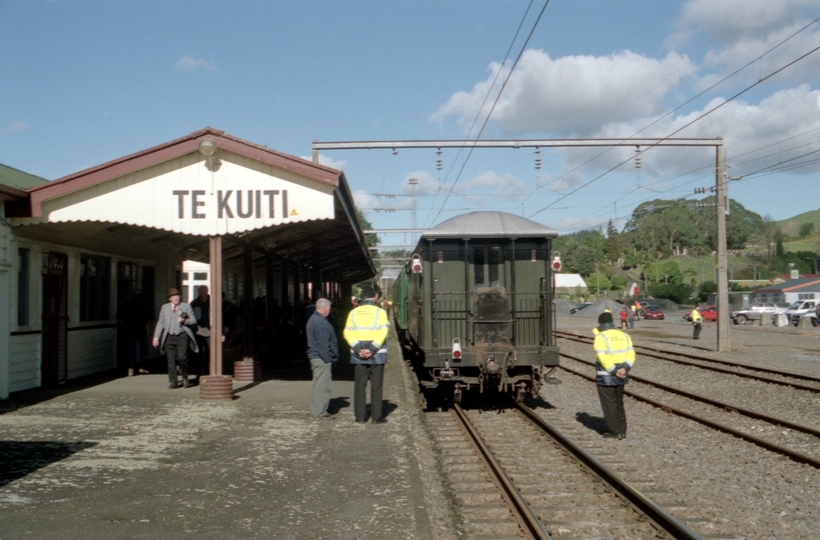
column 810, row 435
column 773, row 376
column 517, row 476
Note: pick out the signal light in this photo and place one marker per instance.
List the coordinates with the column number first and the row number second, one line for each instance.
column 415, row 265
column 556, row 261
column 456, row 349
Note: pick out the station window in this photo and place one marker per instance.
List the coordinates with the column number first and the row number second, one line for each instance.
column 95, row 290
column 22, row 287
column 488, row 266
column 200, row 276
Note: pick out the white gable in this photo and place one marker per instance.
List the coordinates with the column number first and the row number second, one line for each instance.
column 182, row 195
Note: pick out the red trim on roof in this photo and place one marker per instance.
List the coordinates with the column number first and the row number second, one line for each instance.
column 807, row 284
column 170, row 150
column 8, row 193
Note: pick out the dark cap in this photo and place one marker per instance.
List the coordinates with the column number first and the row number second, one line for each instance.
column 604, row 318
column 368, row 290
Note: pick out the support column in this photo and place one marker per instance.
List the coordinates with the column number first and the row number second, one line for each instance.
column 724, row 344
column 248, row 370
column 216, row 385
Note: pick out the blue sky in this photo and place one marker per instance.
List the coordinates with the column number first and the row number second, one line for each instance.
column 84, row 82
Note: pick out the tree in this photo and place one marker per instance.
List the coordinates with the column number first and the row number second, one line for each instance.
column 806, row 230
column 611, row 247
column 598, row 281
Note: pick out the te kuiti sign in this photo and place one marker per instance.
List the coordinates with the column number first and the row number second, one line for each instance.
column 241, row 195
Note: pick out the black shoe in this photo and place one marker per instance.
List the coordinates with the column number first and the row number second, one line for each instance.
column 361, row 421
column 382, row 421
column 611, row 436
column 186, row 383
column 173, row 385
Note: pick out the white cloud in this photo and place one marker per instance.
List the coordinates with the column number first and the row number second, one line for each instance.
column 191, row 65
column 723, row 21
column 574, row 95
column 328, row 162
column 19, row 126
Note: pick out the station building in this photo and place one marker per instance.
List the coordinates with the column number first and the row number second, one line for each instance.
column 268, row 225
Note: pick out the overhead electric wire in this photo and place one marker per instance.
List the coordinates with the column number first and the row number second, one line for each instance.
column 489, row 92
column 489, row 114
column 770, row 75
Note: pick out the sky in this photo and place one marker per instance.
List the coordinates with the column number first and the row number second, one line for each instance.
column 83, row 82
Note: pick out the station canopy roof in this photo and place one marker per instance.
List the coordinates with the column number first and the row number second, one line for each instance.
column 176, row 195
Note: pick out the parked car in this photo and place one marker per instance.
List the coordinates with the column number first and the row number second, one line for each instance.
column 755, row 311
column 579, row 307
column 798, row 309
column 653, row 312
column 709, row 313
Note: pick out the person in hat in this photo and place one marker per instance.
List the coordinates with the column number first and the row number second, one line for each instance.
column 614, row 357
column 173, row 335
column 366, row 333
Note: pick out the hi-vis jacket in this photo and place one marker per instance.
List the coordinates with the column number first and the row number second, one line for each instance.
column 613, row 350
column 367, row 327
column 696, row 316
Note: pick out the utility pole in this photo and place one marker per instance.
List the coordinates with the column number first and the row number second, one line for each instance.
column 724, row 344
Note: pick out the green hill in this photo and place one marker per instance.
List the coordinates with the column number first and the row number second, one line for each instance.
column 791, row 226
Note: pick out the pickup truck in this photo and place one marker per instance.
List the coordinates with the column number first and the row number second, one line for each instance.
column 798, row 309
column 754, row 312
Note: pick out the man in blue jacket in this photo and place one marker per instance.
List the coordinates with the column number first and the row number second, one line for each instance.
column 323, row 351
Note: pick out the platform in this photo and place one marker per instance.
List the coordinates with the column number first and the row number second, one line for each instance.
column 129, row 458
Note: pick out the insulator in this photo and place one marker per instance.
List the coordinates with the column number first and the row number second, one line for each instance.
column 537, row 158
column 638, row 157
column 439, row 166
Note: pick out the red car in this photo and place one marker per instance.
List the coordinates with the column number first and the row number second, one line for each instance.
column 653, row 312
column 709, row 313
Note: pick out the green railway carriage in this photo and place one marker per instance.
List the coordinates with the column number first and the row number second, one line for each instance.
column 475, row 302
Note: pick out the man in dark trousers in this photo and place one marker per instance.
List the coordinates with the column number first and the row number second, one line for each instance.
column 697, row 320
column 614, row 357
column 366, row 333
column 173, row 335
column 323, row 352
column 202, row 311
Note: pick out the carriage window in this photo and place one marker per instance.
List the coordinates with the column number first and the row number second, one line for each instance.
column 488, row 266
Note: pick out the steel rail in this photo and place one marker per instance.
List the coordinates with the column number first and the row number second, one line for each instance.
column 519, row 506
column 791, row 454
column 585, row 339
column 657, row 515
column 713, row 360
column 745, row 412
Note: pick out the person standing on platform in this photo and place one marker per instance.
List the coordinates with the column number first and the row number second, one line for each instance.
column 173, row 335
column 202, row 312
column 632, row 311
column 697, row 319
column 614, row 357
column 623, row 316
column 133, row 317
column 323, row 352
column 366, row 332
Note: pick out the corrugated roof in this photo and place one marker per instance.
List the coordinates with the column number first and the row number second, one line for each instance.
column 489, row 224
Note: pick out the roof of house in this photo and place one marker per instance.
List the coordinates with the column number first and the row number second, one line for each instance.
column 569, row 280
column 484, row 224
column 811, row 284
column 13, row 182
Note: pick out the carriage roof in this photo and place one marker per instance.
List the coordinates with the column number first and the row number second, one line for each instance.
column 486, row 224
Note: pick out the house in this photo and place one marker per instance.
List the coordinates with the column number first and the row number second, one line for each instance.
column 807, row 288
column 567, row 284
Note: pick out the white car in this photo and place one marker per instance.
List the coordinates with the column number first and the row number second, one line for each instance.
column 754, row 312
column 798, row 309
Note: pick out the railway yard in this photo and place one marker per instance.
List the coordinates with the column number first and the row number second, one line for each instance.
column 713, row 451
column 722, row 450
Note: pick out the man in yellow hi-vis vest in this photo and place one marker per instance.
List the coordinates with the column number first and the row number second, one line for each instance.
column 366, row 332
column 614, row 357
column 697, row 319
